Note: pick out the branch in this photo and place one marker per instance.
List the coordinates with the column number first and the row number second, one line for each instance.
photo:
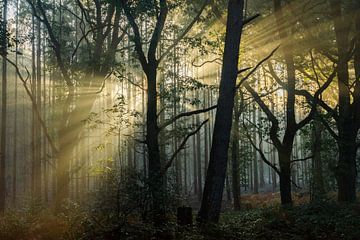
column 317, row 95
column 202, row 64
column 137, row 38
column 263, row 157
column 250, row 19
column 256, row 67
column 130, row 81
column 243, row 70
column 185, row 114
column 302, row 159
column 159, row 26
column 182, row 145
column 328, row 128
column 271, row 117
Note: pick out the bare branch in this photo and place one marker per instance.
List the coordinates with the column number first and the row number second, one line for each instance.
column 203, row 63
column 301, row 159
column 256, row 67
column 263, row 157
column 317, row 95
column 250, row 19
column 271, row 117
column 181, row 146
column 186, row 114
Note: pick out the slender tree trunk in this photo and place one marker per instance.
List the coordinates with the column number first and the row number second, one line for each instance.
column 38, row 140
column 214, row 183
column 235, row 157
column 255, row 155
column 198, row 154
column 195, row 162
column 206, row 130
column 15, row 156
column 318, row 181
column 3, row 115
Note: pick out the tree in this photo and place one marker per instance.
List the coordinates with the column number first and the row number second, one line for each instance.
column 3, row 51
column 285, row 145
column 101, row 21
column 215, row 177
column 235, row 149
column 150, row 64
column 348, row 116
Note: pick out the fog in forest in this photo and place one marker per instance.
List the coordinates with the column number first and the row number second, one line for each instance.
column 169, row 119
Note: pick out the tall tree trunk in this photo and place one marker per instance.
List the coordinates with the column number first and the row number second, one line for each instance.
column 3, row 113
column 195, row 162
column 318, row 181
column 152, row 130
column 214, row 183
column 198, row 154
column 235, row 157
column 15, row 155
column 285, row 151
column 349, row 117
column 255, row 159
column 38, row 139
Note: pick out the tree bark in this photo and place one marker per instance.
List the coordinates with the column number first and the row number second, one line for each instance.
column 214, row 183
column 285, row 177
column 152, row 133
column 3, row 113
column 318, row 181
column 235, row 157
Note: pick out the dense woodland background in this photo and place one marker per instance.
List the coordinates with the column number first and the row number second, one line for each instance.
column 117, row 116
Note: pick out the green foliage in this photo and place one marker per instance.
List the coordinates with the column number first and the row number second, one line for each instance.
column 325, row 220
column 121, row 207
column 34, row 221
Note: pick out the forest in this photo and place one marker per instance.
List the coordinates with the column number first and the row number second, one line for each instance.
column 179, row 119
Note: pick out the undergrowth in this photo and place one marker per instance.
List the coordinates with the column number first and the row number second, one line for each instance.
column 323, row 220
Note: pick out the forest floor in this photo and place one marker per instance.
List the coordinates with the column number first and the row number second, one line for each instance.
column 260, row 218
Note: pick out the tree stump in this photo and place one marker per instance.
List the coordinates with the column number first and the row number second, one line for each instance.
column 184, row 216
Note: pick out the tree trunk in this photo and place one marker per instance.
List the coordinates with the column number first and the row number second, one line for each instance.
column 15, row 155
column 346, row 168
column 214, row 183
column 198, row 154
column 235, row 158
column 348, row 117
column 318, row 181
column 285, row 177
column 156, row 183
column 3, row 115
column 255, row 155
